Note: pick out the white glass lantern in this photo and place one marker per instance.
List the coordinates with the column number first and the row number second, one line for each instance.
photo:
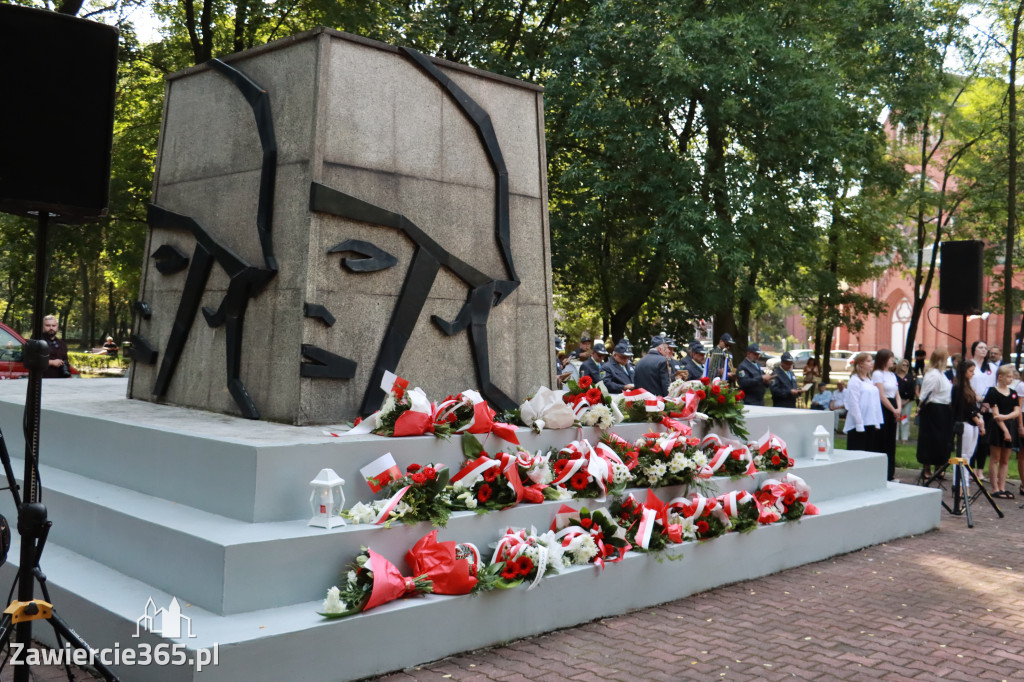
column 822, row 443
column 327, row 499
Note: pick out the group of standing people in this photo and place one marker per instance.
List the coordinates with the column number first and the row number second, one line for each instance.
column 874, row 407
column 985, row 397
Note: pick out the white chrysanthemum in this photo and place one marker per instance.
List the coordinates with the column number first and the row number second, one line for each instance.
column 361, row 512
column 700, row 459
column 352, row 578
column 678, row 463
column 659, row 469
column 333, row 603
column 598, row 415
column 620, row 473
column 389, row 405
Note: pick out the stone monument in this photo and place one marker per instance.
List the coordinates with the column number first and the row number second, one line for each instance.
column 326, row 208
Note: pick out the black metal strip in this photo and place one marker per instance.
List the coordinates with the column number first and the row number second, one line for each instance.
column 169, row 259
column 319, row 312
column 325, row 365
column 259, row 101
column 481, row 120
column 374, row 258
column 142, row 350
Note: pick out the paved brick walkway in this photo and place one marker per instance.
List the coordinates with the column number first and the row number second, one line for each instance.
column 945, row 605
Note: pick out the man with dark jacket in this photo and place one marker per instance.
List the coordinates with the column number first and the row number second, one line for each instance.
column 58, row 367
column 750, row 378
column 618, row 373
column 591, row 367
column 694, row 363
column 783, row 385
column 652, row 371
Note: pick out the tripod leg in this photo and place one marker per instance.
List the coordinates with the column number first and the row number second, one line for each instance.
column 967, row 496
column 983, row 490
column 62, row 628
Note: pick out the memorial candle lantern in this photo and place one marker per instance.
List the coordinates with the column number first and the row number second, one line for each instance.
column 327, row 499
column 822, row 443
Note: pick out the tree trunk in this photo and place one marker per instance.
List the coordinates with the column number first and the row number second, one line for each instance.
column 1011, row 186
column 87, row 302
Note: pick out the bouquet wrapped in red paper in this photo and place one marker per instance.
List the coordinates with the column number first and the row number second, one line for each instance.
column 727, row 458
column 372, row 581
column 770, row 453
column 451, row 567
column 405, row 412
column 468, row 412
column 588, row 471
column 589, row 537
column 652, row 525
column 489, row 482
column 785, row 499
column 742, row 508
column 640, row 405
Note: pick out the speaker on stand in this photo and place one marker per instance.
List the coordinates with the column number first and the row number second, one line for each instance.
column 58, row 81
column 960, row 281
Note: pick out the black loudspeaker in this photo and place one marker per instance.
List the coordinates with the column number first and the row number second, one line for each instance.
column 960, row 278
column 57, row 78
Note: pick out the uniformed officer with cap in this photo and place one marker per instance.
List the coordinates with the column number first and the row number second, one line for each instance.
column 694, row 364
column 750, row 378
column 783, row 385
column 591, row 367
column 674, row 365
column 618, row 372
column 718, row 358
column 585, row 341
column 652, row 370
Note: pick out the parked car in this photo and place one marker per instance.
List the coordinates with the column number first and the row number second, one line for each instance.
column 839, row 360
column 800, row 357
column 11, row 365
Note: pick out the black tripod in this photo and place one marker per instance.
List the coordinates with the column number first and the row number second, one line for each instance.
column 33, row 524
column 963, row 474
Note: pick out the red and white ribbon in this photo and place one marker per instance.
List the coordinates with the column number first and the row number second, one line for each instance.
column 390, row 505
column 381, row 471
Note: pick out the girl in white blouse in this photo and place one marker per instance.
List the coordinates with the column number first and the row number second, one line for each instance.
column 885, row 381
column 863, row 407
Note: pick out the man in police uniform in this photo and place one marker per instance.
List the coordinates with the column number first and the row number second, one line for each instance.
column 750, row 378
column 618, row 372
column 783, row 385
column 675, row 366
column 585, row 342
column 694, row 364
column 652, row 371
column 591, row 367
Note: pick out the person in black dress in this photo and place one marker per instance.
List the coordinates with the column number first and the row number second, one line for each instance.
column 966, row 408
column 934, row 438
column 1003, row 437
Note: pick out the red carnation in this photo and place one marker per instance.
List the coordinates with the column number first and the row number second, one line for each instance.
column 736, row 454
column 586, row 523
column 776, row 460
column 716, row 389
column 419, row 478
column 483, row 493
column 740, row 395
column 490, row 474
column 594, row 396
column 579, row 480
column 791, row 462
column 721, row 399
column 524, row 565
column 430, row 472
column 702, row 526
column 790, row 498
column 701, row 395
column 413, row 468
column 705, row 380
column 358, row 421
column 560, row 467
column 585, row 381
column 510, row 571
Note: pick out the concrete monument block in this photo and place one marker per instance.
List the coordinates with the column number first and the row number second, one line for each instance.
column 284, row 171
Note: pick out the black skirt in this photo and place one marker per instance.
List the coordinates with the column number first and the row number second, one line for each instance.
column 935, row 435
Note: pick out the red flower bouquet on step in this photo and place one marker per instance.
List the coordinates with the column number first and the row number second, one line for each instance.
column 372, row 581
